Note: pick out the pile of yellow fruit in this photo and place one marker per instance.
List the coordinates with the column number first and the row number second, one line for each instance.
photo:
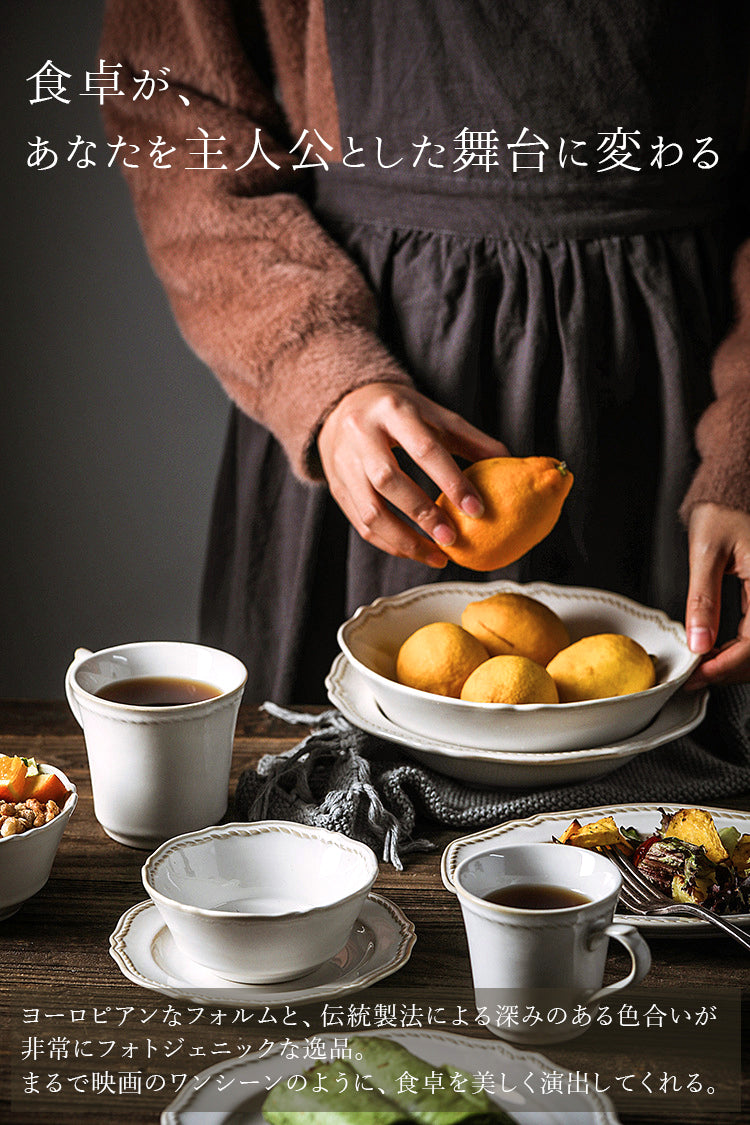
column 510, row 648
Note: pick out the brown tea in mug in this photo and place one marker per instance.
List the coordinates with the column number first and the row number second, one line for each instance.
column 536, row 896
column 158, row 691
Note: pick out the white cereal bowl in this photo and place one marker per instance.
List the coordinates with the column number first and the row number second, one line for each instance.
column 26, row 859
column 261, row 902
column 372, row 637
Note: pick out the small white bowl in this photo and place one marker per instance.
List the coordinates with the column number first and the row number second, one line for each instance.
column 372, row 637
column 26, row 859
column 260, row 902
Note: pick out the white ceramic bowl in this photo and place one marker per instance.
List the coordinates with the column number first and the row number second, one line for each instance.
column 372, row 637
column 26, row 859
column 260, row 902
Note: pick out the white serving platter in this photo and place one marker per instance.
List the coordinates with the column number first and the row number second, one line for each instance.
column 351, row 693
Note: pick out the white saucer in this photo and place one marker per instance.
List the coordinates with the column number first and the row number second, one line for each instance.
column 350, row 692
column 380, row 943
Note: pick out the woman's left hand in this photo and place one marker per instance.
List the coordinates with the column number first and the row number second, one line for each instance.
column 719, row 544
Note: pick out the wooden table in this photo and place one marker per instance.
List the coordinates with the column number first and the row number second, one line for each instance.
column 64, row 999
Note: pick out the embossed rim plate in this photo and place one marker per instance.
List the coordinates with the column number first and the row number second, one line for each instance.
column 471, row 1055
column 642, row 817
column 381, row 942
column 350, row 692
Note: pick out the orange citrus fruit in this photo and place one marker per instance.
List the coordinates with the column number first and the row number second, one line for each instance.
column 513, row 624
column 600, row 666
column 509, row 679
column 523, row 498
column 438, row 658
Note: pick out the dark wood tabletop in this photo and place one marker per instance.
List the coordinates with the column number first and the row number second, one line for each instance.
column 78, row 1041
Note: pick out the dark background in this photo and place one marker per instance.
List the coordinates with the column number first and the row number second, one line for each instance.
column 110, row 428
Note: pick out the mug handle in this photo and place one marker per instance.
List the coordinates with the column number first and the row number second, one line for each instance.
column 640, row 958
column 79, row 655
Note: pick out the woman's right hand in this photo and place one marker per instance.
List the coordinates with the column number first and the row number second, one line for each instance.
column 356, row 444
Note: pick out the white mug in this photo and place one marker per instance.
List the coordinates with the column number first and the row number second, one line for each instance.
column 157, row 771
column 548, row 963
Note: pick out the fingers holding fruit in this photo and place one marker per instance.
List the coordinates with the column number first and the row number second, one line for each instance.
column 364, row 496
column 356, row 444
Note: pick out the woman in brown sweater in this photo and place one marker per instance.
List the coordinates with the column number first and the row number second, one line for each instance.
column 468, row 231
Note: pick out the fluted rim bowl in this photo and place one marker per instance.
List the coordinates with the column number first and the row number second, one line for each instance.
column 26, row 859
column 371, row 638
column 260, row 902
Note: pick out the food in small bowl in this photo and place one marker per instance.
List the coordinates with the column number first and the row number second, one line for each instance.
column 260, row 902
column 36, row 803
column 372, row 639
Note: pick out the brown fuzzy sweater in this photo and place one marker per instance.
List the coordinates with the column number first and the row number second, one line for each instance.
column 260, row 291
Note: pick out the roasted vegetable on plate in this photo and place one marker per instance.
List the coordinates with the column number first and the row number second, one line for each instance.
column 685, row 856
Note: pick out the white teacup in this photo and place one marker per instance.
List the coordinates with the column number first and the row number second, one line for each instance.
column 157, row 771
column 546, row 961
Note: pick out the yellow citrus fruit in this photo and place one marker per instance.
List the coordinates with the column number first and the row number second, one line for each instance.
column 510, row 624
column 510, row 679
column 438, row 658
column 523, row 497
column 600, row 666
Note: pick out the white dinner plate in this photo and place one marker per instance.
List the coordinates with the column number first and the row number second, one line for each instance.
column 380, row 943
column 217, row 1096
column 350, row 692
column 645, row 818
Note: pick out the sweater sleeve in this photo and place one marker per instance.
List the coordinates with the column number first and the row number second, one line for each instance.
column 261, row 293
column 723, row 432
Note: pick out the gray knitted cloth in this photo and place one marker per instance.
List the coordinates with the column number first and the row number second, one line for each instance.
column 341, row 778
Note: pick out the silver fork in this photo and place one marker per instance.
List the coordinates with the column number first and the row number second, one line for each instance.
column 642, row 897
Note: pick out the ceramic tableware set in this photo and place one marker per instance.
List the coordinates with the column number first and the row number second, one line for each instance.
column 274, row 912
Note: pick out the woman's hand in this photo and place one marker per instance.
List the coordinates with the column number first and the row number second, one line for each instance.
column 356, row 444
column 719, row 544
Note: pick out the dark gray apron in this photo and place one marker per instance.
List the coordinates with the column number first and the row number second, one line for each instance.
column 569, row 311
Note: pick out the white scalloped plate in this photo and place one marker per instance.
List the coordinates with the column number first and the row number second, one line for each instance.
column 350, row 692
column 645, row 818
column 380, row 943
column 230, row 1100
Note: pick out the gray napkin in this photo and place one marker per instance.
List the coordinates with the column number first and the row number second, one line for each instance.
column 341, row 778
